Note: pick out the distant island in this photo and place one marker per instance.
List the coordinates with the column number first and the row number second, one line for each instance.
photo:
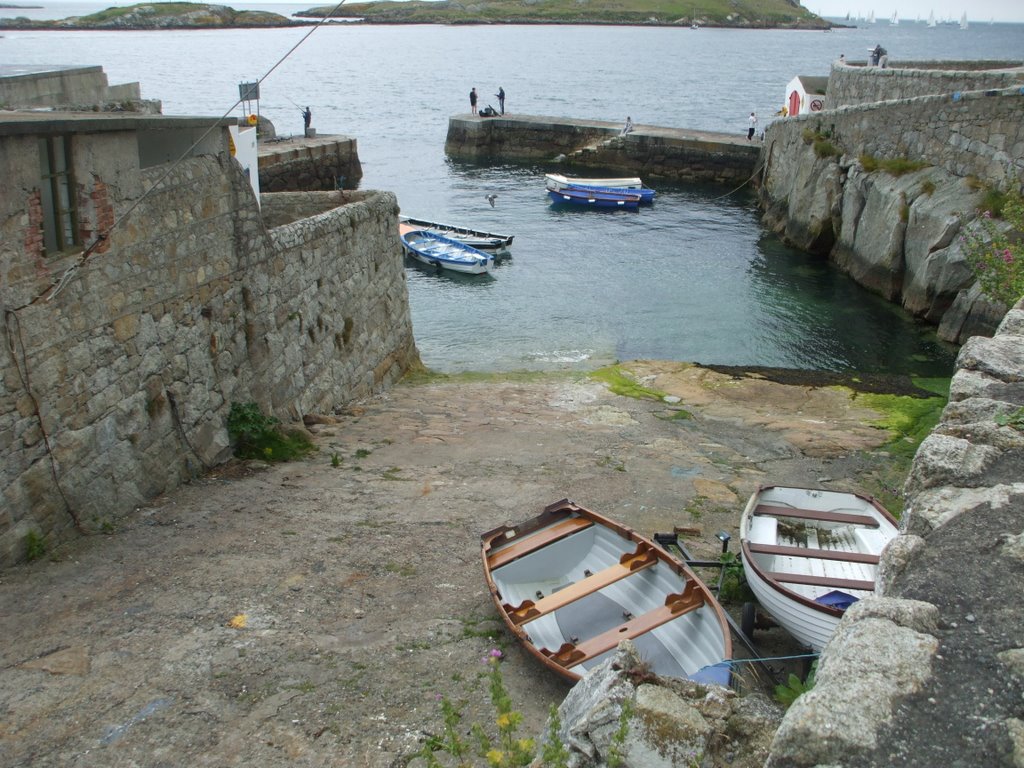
column 743, row 14
column 160, row 16
column 763, row 14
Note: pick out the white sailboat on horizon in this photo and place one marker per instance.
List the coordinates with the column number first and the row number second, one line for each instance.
column 963, row 21
column 871, row 18
column 931, row 19
column 895, row 20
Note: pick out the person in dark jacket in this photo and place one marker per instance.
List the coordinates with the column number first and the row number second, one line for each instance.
column 500, row 96
column 472, row 100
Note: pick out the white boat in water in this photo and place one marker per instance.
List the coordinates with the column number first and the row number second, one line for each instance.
column 557, row 181
column 809, row 554
column 963, row 21
column 443, row 252
column 477, row 238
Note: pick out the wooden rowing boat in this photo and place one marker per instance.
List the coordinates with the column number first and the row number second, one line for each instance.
column 492, row 242
column 571, row 584
column 808, row 554
column 443, row 252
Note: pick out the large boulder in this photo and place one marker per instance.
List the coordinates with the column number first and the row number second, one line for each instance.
column 874, row 220
column 620, row 713
column 936, row 270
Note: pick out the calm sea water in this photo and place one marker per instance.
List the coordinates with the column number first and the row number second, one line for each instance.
column 692, row 278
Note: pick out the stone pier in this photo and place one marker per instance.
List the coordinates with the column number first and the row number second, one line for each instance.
column 318, row 163
column 653, row 152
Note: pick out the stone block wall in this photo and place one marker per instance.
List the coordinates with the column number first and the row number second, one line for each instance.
column 311, row 164
column 117, row 388
column 977, row 133
column 521, row 139
column 849, row 84
column 656, row 153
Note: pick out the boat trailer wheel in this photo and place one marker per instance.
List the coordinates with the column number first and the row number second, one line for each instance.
column 748, row 619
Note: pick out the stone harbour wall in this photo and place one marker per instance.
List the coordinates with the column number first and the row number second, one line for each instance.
column 648, row 151
column 117, row 388
column 898, row 234
column 851, row 84
column 321, row 163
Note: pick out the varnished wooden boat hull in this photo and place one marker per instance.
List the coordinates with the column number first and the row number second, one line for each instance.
column 570, row 584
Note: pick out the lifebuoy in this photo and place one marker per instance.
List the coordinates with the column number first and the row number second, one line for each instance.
column 253, row 119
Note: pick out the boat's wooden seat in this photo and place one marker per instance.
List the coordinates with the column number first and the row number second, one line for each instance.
column 821, row 581
column 823, row 554
column 536, row 540
column 629, row 563
column 813, row 514
column 571, row 654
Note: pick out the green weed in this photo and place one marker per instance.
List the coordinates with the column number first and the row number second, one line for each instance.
column 788, row 693
column 621, row 383
column 34, row 546
column 257, row 436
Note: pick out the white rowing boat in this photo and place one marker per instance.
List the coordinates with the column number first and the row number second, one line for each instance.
column 809, row 554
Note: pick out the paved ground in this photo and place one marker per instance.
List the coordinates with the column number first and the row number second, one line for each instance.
column 309, row 614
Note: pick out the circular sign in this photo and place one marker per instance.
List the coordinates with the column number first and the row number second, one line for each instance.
column 816, row 105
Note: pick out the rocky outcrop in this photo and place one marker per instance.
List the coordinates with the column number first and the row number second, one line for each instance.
column 846, row 185
column 620, row 711
column 159, row 16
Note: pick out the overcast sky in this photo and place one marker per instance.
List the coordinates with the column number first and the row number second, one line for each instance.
column 909, row 10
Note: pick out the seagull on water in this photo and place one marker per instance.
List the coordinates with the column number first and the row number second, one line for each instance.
column 491, row 198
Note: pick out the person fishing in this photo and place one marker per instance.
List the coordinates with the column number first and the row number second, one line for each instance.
column 307, row 117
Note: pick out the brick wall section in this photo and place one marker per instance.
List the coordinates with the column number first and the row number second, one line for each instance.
column 196, row 305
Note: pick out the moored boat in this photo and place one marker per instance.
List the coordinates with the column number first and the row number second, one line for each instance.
column 595, row 198
column 491, row 242
column 443, row 252
column 571, row 584
column 809, row 554
column 558, row 182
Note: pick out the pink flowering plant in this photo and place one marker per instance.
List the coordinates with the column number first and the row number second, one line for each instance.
column 996, row 258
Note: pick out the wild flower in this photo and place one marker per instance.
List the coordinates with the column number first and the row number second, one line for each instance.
column 508, row 749
column 993, row 257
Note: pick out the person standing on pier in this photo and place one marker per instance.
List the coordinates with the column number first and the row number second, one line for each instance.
column 472, row 100
column 500, row 96
column 307, row 117
column 753, row 126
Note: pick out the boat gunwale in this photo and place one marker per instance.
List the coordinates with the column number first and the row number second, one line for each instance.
column 765, row 575
column 502, row 240
column 475, row 257
column 564, row 509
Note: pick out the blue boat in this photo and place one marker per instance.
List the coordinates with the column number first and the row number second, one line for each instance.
column 596, row 198
column 629, row 185
column 646, row 193
column 444, row 252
